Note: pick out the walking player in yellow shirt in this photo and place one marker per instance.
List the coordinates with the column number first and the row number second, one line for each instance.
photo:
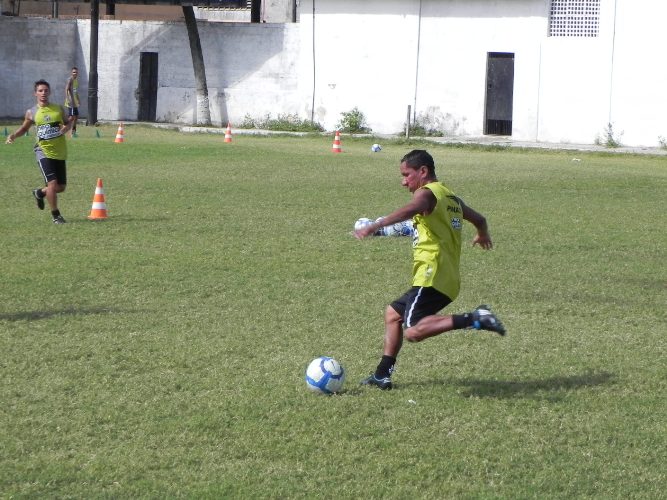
column 72, row 97
column 438, row 216
column 52, row 124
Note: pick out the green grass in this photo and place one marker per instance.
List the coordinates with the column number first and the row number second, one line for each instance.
column 160, row 353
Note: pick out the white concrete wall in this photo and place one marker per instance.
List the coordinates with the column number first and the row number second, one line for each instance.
column 31, row 49
column 456, row 38
column 377, row 55
column 639, row 80
column 250, row 69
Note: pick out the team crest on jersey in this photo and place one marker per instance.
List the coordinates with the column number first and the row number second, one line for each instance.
column 456, row 223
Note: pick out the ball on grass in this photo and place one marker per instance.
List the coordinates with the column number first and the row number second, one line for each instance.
column 325, row 375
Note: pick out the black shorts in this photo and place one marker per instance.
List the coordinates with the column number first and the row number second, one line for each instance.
column 52, row 170
column 73, row 111
column 419, row 302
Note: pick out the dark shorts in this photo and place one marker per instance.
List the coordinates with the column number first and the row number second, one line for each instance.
column 52, row 170
column 73, row 111
column 419, row 302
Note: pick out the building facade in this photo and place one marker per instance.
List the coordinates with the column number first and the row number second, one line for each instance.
column 536, row 70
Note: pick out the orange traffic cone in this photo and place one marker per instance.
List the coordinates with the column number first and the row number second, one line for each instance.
column 119, row 134
column 228, row 133
column 336, row 144
column 99, row 209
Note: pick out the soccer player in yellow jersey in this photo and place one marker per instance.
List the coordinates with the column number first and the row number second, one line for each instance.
column 51, row 123
column 72, row 97
column 438, row 216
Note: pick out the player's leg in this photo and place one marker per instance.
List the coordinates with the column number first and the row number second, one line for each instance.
column 414, row 316
column 481, row 319
column 52, row 194
column 393, row 340
column 55, row 173
column 75, row 118
column 45, row 170
column 405, row 312
column 430, row 326
column 393, row 332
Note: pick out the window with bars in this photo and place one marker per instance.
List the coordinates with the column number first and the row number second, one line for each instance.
column 574, row 18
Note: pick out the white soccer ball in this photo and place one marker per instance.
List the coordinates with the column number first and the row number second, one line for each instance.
column 376, row 148
column 363, row 222
column 325, row 375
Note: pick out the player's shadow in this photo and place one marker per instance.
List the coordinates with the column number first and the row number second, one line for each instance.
column 69, row 311
column 548, row 388
column 134, row 218
column 124, row 218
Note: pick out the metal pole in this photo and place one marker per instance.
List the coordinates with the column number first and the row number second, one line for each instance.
column 92, row 73
column 312, row 107
column 407, row 123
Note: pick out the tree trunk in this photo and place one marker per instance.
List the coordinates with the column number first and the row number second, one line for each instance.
column 203, row 112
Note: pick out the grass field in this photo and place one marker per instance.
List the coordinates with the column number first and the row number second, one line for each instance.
column 160, row 353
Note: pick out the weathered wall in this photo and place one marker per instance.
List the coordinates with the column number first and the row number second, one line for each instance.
column 23, row 45
column 383, row 56
column 378, row 56
column 251, row 69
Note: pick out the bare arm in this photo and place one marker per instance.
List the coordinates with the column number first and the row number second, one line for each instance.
column 423, row 202
column 68, row 91
column 27, row 123
column 67, row 126
column 482, row 238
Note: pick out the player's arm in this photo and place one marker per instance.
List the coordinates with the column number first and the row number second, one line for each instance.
column 482, row 238
column 67, row 126
column 423, row 202
column 68, row 91
column 27, row 123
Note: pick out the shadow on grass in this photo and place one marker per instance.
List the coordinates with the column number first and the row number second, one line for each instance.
column 546, row 388
column 120, row 218
column 70, row 311
column 134, row 218
column 553, row 388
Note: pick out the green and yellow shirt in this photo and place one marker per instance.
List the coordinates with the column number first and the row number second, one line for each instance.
column 437, row 243
column 74, row 90
column 48, row 120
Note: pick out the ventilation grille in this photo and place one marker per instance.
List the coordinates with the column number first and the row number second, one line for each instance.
column 574, row 18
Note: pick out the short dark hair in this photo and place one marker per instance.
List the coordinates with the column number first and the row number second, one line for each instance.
column 42, row 82
column 418, row 158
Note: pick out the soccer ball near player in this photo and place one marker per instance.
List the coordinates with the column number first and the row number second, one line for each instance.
column 363, row 222
column 376, row 148
column 325, row 375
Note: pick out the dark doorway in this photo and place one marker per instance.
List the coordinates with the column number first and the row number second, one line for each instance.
column 147, row 87
column 499, row 93
column 255, row 11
